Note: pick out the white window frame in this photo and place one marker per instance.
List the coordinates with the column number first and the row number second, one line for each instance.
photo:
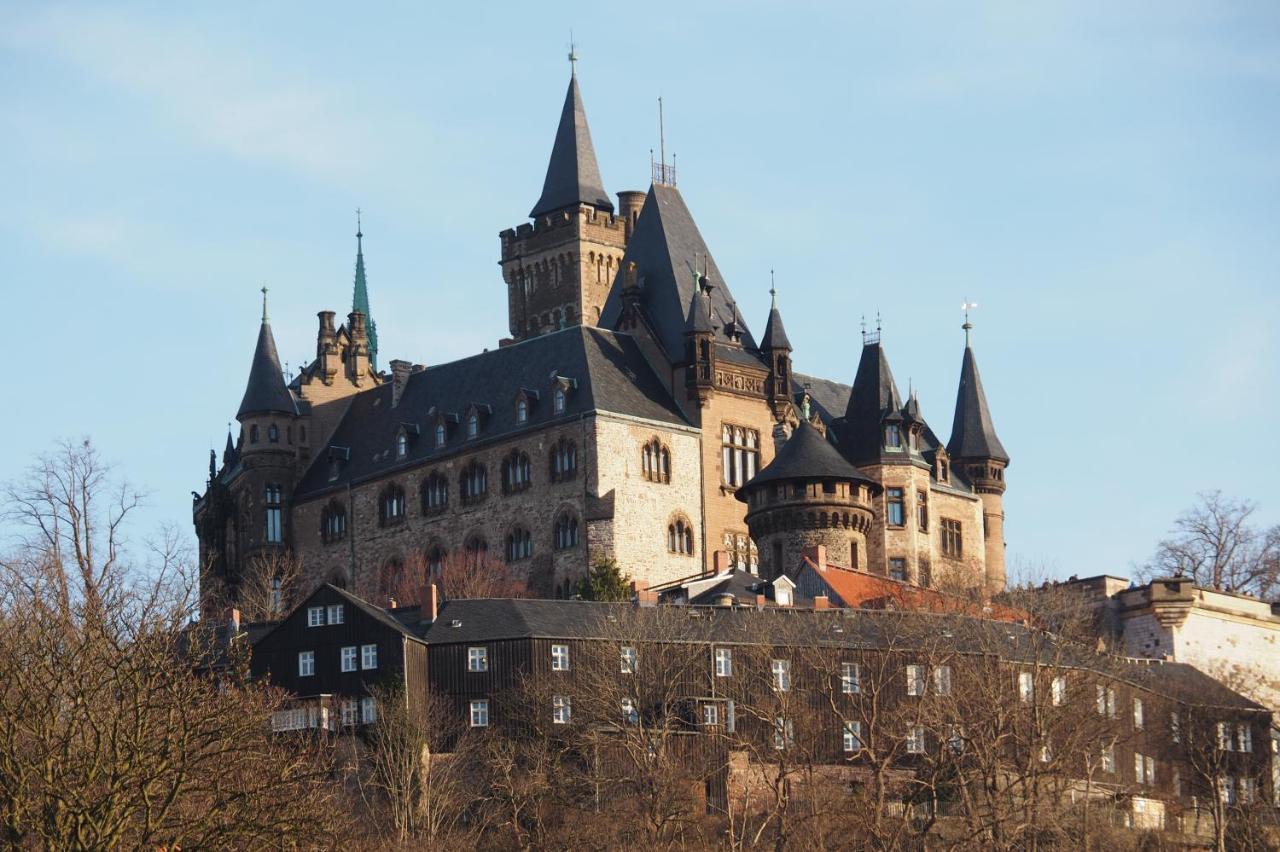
column 784, row 733
column 315, row 616
column 1225, row 742
column 942, row 680
column 724, row 662
column 1139, row 716
column 306, row 663
column 627, row 659
column 369, row 656
column 479, row 713
column 1244, row 737
column 350, row 707
column 1109, row 758
column 710, row 715
column 630, row 713
column 478, row 658
column 915, row 680
column 915, row 742
column 561, row 709
column 1058, row 690
column 1026, row 687
column 850, row 678
column 559, row 658
column 781, row 672
column 349, row 658
column 368, row 710
column 852, row 737
column 334, row 614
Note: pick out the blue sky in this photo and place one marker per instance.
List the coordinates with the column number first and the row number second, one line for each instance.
column 1103, row 179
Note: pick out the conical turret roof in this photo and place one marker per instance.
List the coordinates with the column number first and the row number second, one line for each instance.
column 805, row 455
column 266, row 391
column 973, row 435
column 873, row 399
column 775, row 336
column 572, row 174
column 699, row 316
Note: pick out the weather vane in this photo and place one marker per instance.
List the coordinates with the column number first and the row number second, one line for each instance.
column 968, row 326
column 264, row 303
column 573, row 55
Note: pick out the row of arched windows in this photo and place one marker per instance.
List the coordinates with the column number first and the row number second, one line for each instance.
column 680, row 537
column 273, row 434
column 655, row 461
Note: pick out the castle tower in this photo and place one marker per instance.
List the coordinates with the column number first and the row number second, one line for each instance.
column 559, row 269
column 776, row 349
column 700, row 347
column 975, row 449
column 360, row 297
column 809, row 495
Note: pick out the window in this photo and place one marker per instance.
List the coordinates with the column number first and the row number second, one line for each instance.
column 955, row 738
column 349, row 658
column 922, row 510
column 368, row 656
column 915, row 680
column 710, row 715
column 680, row 537
column 781, row 675
column 1227, row 789
column 442, row 434
column 516, row 475
column 473, row 483
column 435, row 560
column 1026, row 687
column 275, row 531
column 1244, row 737
column 474, row 550
column 892, row 436
column 519, row 544
column 391, row 506
column 306, row 663
column 1058, row 690
column 333, row 523
column 1109, row 758
column 1248, row 790
column 558, row 400
column 898, row 569
column 564, row 460
column 627, row 660
column 566, row 532
column 561, row 709
column 630, row 715
column 655, row 461
column 522, row 411
column 478, row 659
column 277, row 596
column 253, row 434
column 784, row 733
column 402, row 445
column 1137, row 714
column 435, row 494
column 335, row 613
column 1144, row 769
column 739, row 454
column 952, row 542
column 273, row 433
column 944, row 470
column 895, row 511
column 850, row 678
column 349, row 709
column 1106, row 701
column 368, row 711
column 1046, row 753
column 724, row 662
column 852, row 736
column 559, row 658
column 1175, row 728
column 915, row 740
column 473, row 425
column 942, row 680
column 480, row 713
column 315, row 616
column 1224, row 737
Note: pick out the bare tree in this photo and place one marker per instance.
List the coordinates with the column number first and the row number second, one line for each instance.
column 458, row 575
column 271, row 587
column 1215, row 544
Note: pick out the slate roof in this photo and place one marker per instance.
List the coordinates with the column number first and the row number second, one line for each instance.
column 805, row 455
column 826, row 397
column 572, row 174
column 665, row 245
column 873, row 398
column 377, row 613
column 608, row 371
column 973, row 435
column 775, row 336
column 266, row 391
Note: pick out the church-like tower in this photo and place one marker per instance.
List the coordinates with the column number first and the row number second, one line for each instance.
column 559, row 268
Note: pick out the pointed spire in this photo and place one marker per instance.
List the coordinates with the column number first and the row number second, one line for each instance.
column 973, row 435
column 775, row 336
column 573, row 177
column 266, row 390
column 360, row 296
column 699, row 317
column 229, row 450
column 873, row 399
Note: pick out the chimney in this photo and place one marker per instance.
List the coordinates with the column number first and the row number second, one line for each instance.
column 358, row 351
column 821, row 602
column 233, row 620
column 399, row 379
column 327, row 347
column 430, row 602
column 630, row 203
column 720, row 561
column 391, row 603
column 817, row 554
column 645, row 597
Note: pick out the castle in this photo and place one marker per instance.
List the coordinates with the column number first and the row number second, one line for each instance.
column 623, row 419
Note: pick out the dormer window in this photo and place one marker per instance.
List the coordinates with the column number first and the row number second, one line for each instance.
column 914, row 439
column 522, row 411
column 442, row 434
column 557, row 404
column 944, row 469
column 402, row 445
column 473, row 425
column 893, row 437
column 337, row 455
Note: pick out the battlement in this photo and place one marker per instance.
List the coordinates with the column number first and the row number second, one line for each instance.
column 564, row 225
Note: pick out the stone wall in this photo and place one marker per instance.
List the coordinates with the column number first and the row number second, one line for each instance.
column 726, row 516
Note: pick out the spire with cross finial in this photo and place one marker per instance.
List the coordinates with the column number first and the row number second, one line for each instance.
column 968, row 326
column 360, row 294
column 573, row 56
column 266, row 391
column 573, row 177
column 775, row 336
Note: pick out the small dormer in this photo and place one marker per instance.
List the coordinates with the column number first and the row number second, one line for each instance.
column 477, row 418
column 942, row 467
column 562, row 390
column 337, row 458
column 784, row 590
column 406, row 437
column 442, row 429
column 525, row 405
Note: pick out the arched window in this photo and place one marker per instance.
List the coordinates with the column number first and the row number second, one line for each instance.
column 522, row 411
column 273, row 433
column 680, row 537
column 391, row 505
column 333, row 522
column 516, row 473
column 402, row 445
column 442, row 434
column 475, row 550
column 435, row 560
column 435, row 494
column 275, row 514
column 391, row 580
column 557, row 401
column 253, row 434
column 473, row 425
column 655, row 460
column 566, row 531
column 519, row 544
column 473, row 484
column 564, row 460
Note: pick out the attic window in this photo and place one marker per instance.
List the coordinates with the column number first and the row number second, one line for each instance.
column 473, row 425
column 892, row 437
column 442, row 434
column 402, row 445
column 944, row 470
column 522, row 410
column 558, row 401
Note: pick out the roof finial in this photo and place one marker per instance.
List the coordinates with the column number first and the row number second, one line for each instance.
column 359, row 230
column 773, row 290
column 265, row 318
column 864, row 329
column 968, row 326
column 573, row 56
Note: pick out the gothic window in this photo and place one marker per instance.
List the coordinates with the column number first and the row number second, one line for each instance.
column 275, row 529
column 473, row 485
column 952, row 540
column 895, row 509
column 944, row 470
column 253, row 434
column 475, row 550
column 333, row 522
column 288, row 434
column 566, row 531
column 742, row 551
column 892, row 436
column 391, row 505
column 913, row 438
column 442, row 434
column 435, row 494
column 435, row 560
column 522, row 411
column 564, row 460
column 680, row 537
column 273, row 433
column 402, row 445
column 473, row 425
column 739, row 454
column 391, row 579
column 516, row 474
column 558, row 401
column 519, row 544
column 655, row 461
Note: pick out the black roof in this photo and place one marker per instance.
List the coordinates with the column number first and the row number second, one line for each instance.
column 605, row 372
column 665, row 246
column 699, row 318
column 973, row 436
column 573, row 177
column 775, row 336
column 826, row 397
column 873, row 398
column 805, row 455
column 266, row 391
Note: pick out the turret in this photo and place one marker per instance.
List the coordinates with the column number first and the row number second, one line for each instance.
column 327, row 356
column 358, row 363
column 872, row 430
column 776, row 349
column 700, row 346
column 809, row 495
column 976, row 451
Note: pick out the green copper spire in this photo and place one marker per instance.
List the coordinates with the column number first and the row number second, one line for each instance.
column 360, row 298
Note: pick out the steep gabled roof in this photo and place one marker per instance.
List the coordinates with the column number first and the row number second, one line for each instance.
column 266, row 391
column 973, row 435
column 572, row 174
column 665, row 246
column 805, row 455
